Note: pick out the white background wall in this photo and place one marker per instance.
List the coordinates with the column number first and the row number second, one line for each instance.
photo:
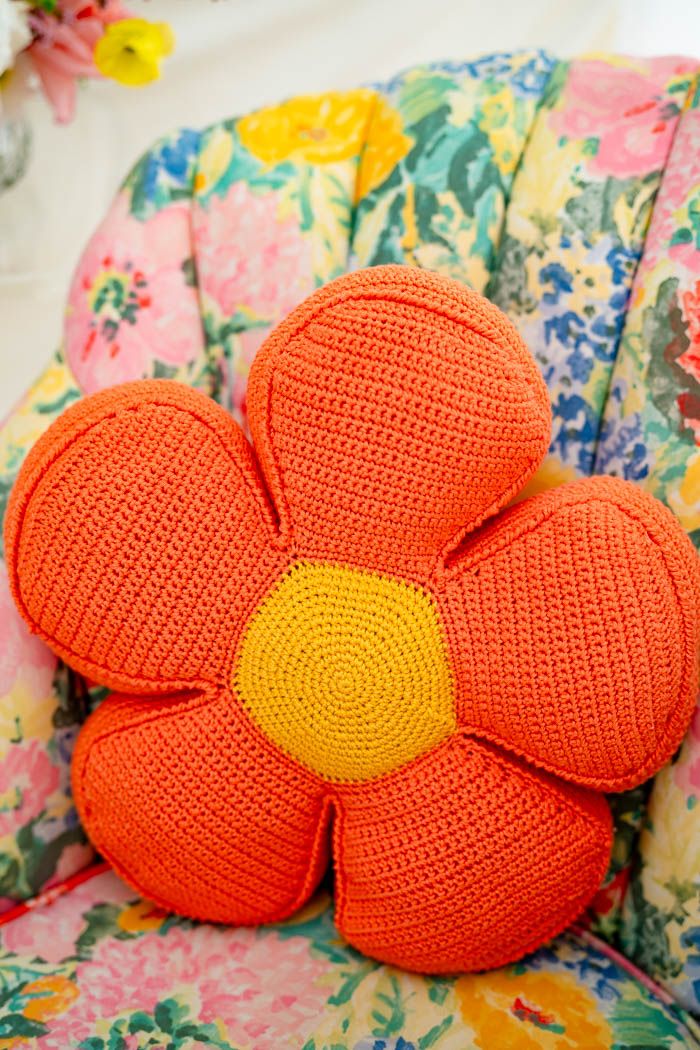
column 232, row 55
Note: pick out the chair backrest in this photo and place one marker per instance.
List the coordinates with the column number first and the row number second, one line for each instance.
column 568, row 192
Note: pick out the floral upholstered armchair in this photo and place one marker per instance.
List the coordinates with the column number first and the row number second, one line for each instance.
column 568, row 192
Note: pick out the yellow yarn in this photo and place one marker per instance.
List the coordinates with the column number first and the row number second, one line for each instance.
column 347, row 671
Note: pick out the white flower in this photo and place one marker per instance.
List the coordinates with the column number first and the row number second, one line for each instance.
column 14, row 31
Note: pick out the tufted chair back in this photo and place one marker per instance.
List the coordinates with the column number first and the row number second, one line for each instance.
column 568, row 192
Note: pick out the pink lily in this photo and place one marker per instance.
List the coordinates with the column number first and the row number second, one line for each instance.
column 63, row 48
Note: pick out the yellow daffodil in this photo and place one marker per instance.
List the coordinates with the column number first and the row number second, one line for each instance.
column 130, row 50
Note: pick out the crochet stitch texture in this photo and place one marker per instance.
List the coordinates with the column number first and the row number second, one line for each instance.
column 339, row 631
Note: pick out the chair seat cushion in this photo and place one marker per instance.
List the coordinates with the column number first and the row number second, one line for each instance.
column 92, row 967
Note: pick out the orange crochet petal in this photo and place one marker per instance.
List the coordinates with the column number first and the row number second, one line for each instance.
column 465, row 860
column 139, row 540
column 574, row 627
column 392, row 412
column 197, row 810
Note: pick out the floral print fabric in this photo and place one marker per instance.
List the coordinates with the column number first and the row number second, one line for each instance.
column 570, row 194
column 651, row 435
column 651, row 427
column 133, row 309
column 463, row 128
column 575, row 231
column 40, row 839
column 98, row 969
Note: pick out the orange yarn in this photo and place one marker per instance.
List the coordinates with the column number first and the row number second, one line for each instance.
column 267, row 616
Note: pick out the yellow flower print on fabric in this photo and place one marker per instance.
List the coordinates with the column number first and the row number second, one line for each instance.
column 213, row 160
column 48, row 996
column 497, row 120
column 386, row 145
column 141, row 917
column 550, row 475
column 51, row 393
column 684, row 501
column 531, row 1011
column 543, row 185
column 26, row 714
column 318, row 129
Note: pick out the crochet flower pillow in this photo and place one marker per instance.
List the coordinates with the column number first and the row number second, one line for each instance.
column 342, row 629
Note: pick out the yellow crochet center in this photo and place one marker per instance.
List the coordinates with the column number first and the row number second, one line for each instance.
column 347, row 671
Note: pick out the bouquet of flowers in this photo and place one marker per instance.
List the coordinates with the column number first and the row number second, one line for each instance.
column 67, row 40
